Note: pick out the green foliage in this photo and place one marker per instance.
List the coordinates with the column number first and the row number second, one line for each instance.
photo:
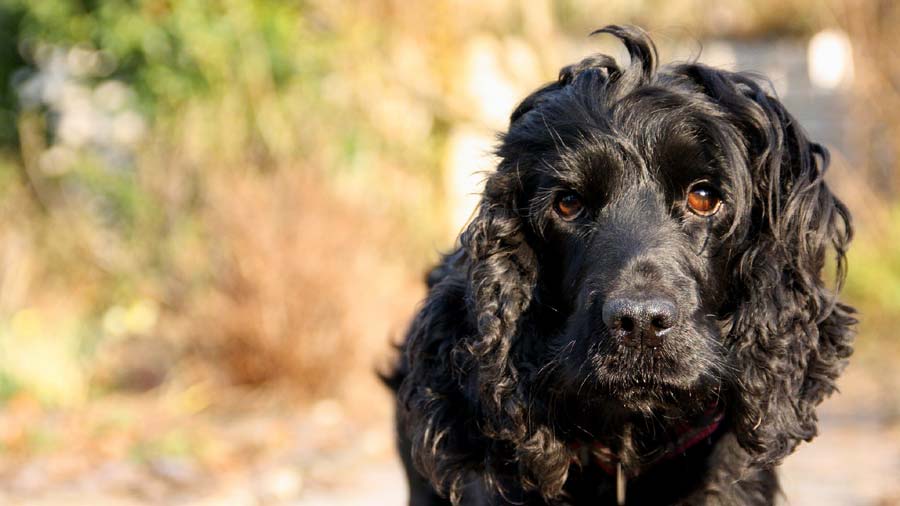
column 218, row 86
column 873, row 282
column 176, row 51
column 8, row 385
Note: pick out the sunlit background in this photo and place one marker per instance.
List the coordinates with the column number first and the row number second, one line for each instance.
column 216, row 216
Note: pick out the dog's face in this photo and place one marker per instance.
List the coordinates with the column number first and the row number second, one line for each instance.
column 650, row 243
column 629, row 216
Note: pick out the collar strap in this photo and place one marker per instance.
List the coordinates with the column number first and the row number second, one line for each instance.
column 688, row 435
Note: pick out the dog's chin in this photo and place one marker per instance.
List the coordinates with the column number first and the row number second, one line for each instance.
column 650, row 385
column 610, row 404
column 634, row 368
column 652, row 402
column 648, row 397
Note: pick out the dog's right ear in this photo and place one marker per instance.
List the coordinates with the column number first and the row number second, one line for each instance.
column 502, row 272
column 458, row 349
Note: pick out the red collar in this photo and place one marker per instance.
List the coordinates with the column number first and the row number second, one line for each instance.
column 687, row 435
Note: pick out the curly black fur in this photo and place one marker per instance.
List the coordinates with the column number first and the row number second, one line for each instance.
column 510, row 366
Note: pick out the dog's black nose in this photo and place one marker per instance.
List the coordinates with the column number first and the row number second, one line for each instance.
column 640, row 321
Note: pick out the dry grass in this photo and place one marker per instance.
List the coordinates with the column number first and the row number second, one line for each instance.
column 304, row 289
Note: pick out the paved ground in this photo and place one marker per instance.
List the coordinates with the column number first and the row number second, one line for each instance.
column 336, row 454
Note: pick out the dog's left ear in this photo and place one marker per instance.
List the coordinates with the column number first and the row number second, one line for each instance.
column 790, row 336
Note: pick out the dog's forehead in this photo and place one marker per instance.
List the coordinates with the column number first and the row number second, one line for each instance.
column 665, row 132
column 665, row 149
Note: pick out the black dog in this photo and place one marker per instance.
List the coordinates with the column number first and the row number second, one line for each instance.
column 637, row 314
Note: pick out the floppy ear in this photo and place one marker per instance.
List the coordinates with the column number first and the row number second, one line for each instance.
column 459, row 348
column 790, row 336
column 502, row 272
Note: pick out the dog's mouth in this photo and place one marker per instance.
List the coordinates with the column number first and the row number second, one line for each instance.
column 644, row 389
column 592, row 366
column 649, row 393
column 679, row 369
column 669, row 363
column 614, row 401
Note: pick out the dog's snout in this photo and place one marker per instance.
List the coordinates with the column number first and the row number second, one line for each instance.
column 640, row 321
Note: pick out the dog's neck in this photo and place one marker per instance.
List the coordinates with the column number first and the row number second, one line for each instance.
column 635, row 447
column 631, row 467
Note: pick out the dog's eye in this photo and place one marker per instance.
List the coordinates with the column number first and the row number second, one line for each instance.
column 703, row 199
column 569, row 206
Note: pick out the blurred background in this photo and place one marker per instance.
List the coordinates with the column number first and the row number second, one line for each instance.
column 216, row 216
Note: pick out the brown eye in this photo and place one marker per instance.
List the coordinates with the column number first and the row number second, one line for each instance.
column 703, row 199
column 569, row 206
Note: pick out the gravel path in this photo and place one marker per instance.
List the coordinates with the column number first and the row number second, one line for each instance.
column 337, row 454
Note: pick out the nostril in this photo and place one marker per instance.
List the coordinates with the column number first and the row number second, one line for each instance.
column 619, row 315
column 661, row 314
column 660, row 322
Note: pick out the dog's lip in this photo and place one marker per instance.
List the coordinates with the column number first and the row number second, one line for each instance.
column 643, row 382
column 672, row 376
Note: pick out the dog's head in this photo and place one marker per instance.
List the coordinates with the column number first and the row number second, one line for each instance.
column 651, row 243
